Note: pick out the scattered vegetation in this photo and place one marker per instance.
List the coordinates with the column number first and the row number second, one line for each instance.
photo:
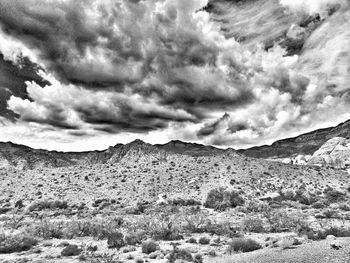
column 16, row 243
column 221, row 199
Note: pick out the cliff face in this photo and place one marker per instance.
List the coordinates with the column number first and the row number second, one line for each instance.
column 305, row 144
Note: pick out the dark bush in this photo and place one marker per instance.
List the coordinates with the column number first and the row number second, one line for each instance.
column 221, row 199
column 149, row 246
column 254, row 225
column 334, row 196
column 71, row 250
column 134, row 238
column 115, row 240
column 16, row 243
column 243, row 245
column 204, row 240
column 192, row 240
column 184, row 202
column 198, row 258
column 180, row 254
column 48, row 204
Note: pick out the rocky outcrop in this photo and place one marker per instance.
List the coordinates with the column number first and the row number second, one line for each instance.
column 305, row 144
column 335, row 153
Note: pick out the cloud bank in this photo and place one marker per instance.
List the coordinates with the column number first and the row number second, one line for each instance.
column 169, row 67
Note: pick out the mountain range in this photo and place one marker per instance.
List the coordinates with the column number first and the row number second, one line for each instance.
column 24, row 157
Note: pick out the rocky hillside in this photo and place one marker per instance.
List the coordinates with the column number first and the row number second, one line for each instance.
column 23, row 157
column 305, row 144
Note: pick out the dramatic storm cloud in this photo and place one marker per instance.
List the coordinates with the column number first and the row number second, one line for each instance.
column 220, row 73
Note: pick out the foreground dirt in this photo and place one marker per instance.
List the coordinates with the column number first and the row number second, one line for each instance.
column 313, row 252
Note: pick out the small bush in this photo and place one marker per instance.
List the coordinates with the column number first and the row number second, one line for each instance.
column 48, row 204
column 134, row 238
column 254, row 225
column 149, row 246
column 192, row 240
column 334, row 196
column 180, row 254
column 71, row 250
column 330, row 213
column 16, row 243
column 320, row 204
column 198, row 258
column 115, row 240
column 204, row 240
column 243, row 245
column 47, row 229
column 221, row 199
column 281, row 220
column 184, row 202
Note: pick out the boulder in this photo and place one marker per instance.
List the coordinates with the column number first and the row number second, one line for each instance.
column 329, row 146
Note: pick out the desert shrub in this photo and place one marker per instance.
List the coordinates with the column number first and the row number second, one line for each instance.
column 149, row 246
column 221, row 199
column 320, row 204
column 134, row 238
column 255, row 206
column 221, row 229
column 47, row 229
column 242, row 245
column 184, row 202
column 98, row 228
column 115, row 240
column 16, row 243
column 199, row 224
column 192, row 240
column 195, row 223
column 254, row 225
column 163, row 228
column 330, row 213
column 345, row 207
column 337, row 231
column 312, row 234
column 204, row 240
column 178, row 254
column 334, row 196
column 48, row 204
column 281, row 220
column 71, row 250
column 139, row 208
column 198, row 258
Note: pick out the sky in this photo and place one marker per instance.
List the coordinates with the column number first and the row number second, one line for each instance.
column 79, row 75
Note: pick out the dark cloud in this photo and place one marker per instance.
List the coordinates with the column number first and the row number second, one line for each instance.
column 12, row 81
column 210, row 128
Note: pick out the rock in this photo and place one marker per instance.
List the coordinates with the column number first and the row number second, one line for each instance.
column 63, row 244
column 47, row 243
column 129, row 249
column 287, row 161
column 330, row 237
column 329, row 146
column 296, row 32
column 335, row 153
column 156, row 254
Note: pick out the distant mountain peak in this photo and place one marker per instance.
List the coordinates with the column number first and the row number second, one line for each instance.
column 137, row 141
